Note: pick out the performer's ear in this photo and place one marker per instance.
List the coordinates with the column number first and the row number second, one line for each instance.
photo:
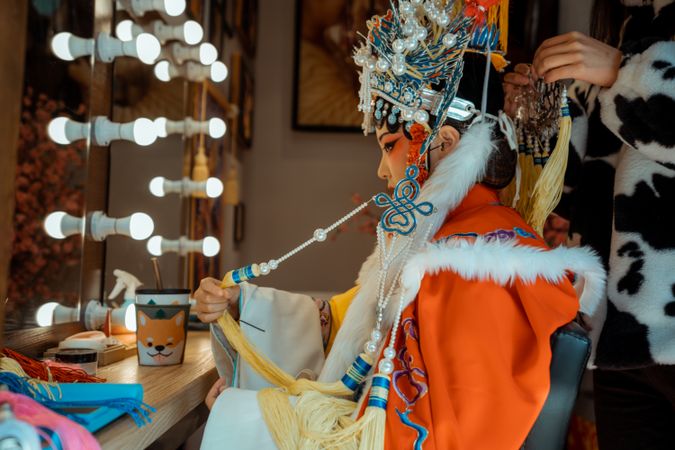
column 449, row 137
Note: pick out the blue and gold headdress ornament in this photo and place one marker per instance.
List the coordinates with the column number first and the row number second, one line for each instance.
column 419, row 45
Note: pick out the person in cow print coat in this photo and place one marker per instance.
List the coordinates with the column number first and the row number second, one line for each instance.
column 620, row 199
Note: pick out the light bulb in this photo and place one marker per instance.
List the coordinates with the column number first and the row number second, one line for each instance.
column 157, row 186
column 63, row 130
column 217, row 128
column 145, row 47
column 207, row 53
column 45, row 314
column 142, row 131
column 130, row 318
column 218, row 71
column 53, row 224
column 160, row 127
column 174, row 7
column 210, row 246
column 68, row 47
column 193, row 33
column 163, row 70
column 138, row 226
column 141, row 226
column 155, row 245
column 214, row 187
column 60, row 225
column 148, row 48
column 127, row 30
column 214, row 127
column 53, row 313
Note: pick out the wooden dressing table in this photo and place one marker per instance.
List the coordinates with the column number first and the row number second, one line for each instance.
column 177, row 392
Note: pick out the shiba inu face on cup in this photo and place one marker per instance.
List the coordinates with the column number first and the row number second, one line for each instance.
column 160, row 340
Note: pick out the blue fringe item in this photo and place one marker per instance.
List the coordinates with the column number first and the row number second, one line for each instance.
column 106, row 402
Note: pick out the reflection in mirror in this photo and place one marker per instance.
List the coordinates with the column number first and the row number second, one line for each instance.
column 137, row 93
column 50, row 177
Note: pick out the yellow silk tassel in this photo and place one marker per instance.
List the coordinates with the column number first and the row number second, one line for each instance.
column 549, row 187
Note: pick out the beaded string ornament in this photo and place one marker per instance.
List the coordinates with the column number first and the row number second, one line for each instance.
column 542, row 114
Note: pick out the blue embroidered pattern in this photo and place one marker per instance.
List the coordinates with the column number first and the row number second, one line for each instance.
column 399, row 217
column 422, row 433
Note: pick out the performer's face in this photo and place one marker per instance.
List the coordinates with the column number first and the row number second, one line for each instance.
column 394, row 148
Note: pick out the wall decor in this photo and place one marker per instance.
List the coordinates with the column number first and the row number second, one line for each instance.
column 325, row 88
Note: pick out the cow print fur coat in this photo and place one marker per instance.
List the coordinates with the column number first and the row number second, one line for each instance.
column 620, row 188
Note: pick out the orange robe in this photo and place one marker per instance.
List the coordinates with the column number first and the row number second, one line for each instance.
column 472, row 364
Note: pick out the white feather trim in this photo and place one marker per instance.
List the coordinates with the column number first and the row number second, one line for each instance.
column 447, row 186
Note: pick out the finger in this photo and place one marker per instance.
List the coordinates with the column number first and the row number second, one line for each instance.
column 555, row 61
column 212, row 286
column 560, row 39
column 516, row 78
column 572, row 71
column 215, row 300
column 208, row 317
column 566, row 47
column 212, row 307
column 522, row 68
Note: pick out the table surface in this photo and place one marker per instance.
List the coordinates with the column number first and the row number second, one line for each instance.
column 173, row 390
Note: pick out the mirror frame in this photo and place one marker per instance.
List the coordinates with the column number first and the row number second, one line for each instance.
column 34, row 341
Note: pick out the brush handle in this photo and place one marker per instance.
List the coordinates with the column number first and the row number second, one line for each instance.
column 234, row 277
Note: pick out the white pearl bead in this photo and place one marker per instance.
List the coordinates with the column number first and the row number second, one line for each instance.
column 429, row 7
column 376, row 335
column 370, row 347
column 398, row 45
column 371, row 64
column 360, row 59
column 406, row 9
column 443, row 20
column 398, row 58
column 421, row 33
column 398, row 69
column 382, row 65
column 320, row 234
column 449, row 40
column 408, row 28
column 386, row 366
column 416, row 2
column 433, row 16
column 408, row 114
column 274, row 264
column 389, row 353
column 421, row 116
column 264, row 268
column 411, row 44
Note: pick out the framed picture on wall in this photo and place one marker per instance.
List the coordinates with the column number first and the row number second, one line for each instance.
column 326, row 84
column 246, row 23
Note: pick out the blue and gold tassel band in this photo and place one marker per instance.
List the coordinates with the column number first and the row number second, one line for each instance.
column 234, row 277
column 379, row 391
column 357, row 372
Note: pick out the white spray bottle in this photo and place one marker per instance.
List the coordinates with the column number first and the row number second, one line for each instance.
column 126, row 313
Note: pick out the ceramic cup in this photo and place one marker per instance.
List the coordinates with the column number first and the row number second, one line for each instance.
column 162, row 296
column 161, row 334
